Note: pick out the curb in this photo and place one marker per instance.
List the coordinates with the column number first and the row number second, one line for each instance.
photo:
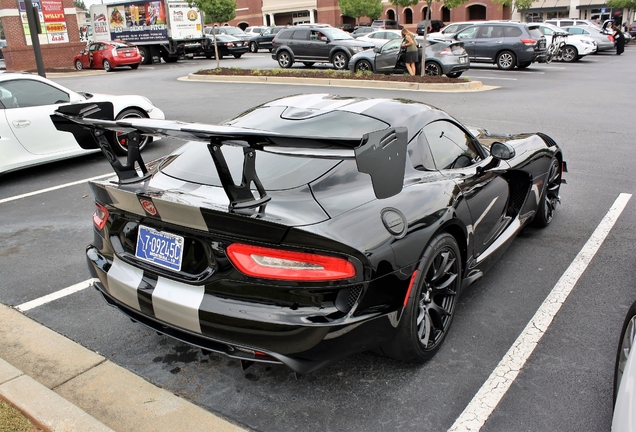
column 65, row 387
column 336, row 82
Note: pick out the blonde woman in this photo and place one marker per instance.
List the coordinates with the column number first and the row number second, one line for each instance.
column 410, row 56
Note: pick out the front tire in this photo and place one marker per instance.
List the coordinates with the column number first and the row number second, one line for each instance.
column 78, row 65
column 340, row 60
column 146, row 57
column 122, row 138
column 454, row 74
column 506, row 60
column 364, row 66
column 550, row 198
column 284, row 59
column 429, row 312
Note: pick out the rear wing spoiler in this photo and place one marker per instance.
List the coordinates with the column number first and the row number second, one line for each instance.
column 381, row 154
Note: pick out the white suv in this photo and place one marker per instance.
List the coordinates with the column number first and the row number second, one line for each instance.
column 571, row 22
column 576, row 46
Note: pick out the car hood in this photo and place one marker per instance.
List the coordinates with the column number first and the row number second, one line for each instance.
column 353, row 43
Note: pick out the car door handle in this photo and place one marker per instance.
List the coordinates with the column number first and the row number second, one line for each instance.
column 21, row 123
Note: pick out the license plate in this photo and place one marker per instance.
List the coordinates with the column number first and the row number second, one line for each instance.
column 127, row 54
column 159, row 247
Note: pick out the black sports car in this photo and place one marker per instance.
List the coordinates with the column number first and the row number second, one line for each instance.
column 310, row 227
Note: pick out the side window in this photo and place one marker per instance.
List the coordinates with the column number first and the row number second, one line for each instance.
column 490, row 32
column 302, row 34
column 469, row 33
column 31, row 93
column 392, row 45
column 420, row 154
column 450, row 145
column 512, row 31
column 284, row 34
column 566, row 23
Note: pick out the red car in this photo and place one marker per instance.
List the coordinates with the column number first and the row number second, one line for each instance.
column 108, row 55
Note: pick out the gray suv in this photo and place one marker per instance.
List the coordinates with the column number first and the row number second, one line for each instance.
column 506, row 44
column 314, row 44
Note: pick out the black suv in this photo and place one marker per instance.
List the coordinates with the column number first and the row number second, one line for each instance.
column 313, row 44
column 264, row 40
column 506, row 44
column 436, row 25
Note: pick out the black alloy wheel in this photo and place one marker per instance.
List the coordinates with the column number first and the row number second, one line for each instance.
column 427, row 317
column 432, row 69
column 550, row 198
column 122, row 138
column 364, row 66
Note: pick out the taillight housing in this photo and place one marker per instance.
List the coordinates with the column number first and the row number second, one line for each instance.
column 529, row 42
column 115, row 54
column 100, row 217
column 269, row 263
column 446, row 51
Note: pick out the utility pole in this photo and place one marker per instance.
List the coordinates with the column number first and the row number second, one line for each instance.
column 35, row 30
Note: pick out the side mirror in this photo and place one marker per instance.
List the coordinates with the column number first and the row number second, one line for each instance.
column 377, row 49
column 324, row 39
column 502, row 151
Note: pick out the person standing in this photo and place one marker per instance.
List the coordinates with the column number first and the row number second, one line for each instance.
column 410, row 56
column 619, row 39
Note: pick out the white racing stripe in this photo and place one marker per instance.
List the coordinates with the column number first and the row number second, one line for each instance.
column 54, row 296
column 493, row 390
column 41, row 191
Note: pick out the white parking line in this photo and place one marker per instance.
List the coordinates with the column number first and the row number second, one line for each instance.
column 54, row 296
column 41, row 191
column 493, row 390
column 491, row 78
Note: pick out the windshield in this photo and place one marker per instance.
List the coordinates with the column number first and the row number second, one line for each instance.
column 336, row 34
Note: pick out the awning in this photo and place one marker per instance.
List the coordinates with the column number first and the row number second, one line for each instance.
column 592, row 6
column 549, row 6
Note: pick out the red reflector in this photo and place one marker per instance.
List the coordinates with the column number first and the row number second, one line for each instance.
column 408, row 291
column 100, row 217
column 529, row 42
column 288, row 265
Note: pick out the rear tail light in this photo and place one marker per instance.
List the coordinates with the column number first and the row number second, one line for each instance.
column 446, row 51
column 229, row 44
column 115, row 54
column 288, row 265
column 529, row 42
column 100, row 217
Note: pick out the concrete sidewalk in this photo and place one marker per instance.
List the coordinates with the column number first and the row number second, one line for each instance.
column 65, row 387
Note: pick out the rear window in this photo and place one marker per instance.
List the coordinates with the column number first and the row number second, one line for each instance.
column 535, row 33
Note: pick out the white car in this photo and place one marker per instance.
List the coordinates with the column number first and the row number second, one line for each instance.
column 380, row 37
column 576, row 46
column 625, row 376
column 27, row 134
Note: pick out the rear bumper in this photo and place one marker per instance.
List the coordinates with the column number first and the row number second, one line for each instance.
column 239, row 329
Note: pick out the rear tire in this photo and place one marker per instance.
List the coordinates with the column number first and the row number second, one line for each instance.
column 284, row 59
column 625, row 345
column 570, row 54
column 135, row 66
column 122, row 148
column 107, row 66
column 506, row 60
column 253, row 47
column 454, row 74
column 432, row 69
column 146, row 56
column 429, row 312
column 308, row 64
column 237, row 55
column 340, row 60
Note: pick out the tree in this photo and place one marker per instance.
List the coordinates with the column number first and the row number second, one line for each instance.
column 80, row 4
column 518, row 5
column 361, row 8
column 217, row 11
column 630, row 5
column 403, row 3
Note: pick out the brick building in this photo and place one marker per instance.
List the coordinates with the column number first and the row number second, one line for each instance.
column 281, row 12
column 59, row 41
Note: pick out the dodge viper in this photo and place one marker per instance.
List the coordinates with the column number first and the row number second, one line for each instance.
column 310, row 227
